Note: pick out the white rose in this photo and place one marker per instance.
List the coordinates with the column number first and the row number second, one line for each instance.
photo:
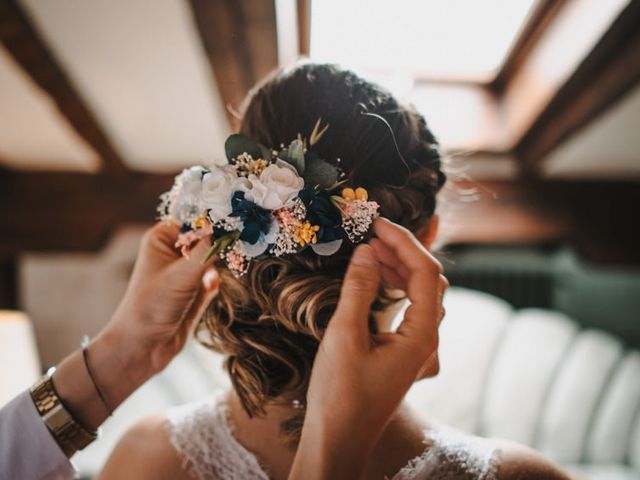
column 185, row 195
column 190, row 181
column 217, row 187
column 278, row 184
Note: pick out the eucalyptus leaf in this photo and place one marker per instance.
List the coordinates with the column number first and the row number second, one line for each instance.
column 295, row 156
column 326, row 249
column 238, row 144
column 266, row 153
column 320, row 172
column 210, row 254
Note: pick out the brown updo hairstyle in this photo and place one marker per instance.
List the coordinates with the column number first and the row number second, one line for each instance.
column 268, row 323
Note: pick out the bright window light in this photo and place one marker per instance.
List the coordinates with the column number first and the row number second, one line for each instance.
column 439, row 39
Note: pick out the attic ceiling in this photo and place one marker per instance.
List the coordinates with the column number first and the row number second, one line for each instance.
column 33, row 132
column 141, row 69
column 607, row 148
column 144, row 70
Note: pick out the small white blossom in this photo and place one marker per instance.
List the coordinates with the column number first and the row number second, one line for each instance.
column 358, row 215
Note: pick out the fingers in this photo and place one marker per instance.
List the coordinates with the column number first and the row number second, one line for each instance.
column 423, row 284
column 194, row 262
column 408, row 250
column 359, row 290
column 162, row 237
column 392, row 278
column 187, row 273
column 444, row 284
column 394, row 272
column 210, row 279
column 431, row 367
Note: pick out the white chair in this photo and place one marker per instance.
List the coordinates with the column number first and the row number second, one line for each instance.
column 534, row 376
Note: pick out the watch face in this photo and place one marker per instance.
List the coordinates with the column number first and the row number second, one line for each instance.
column 57, row 418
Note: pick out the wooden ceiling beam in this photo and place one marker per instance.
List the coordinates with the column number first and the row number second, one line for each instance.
column 240, row 41
column 609, row 72
column 303, row 8
column 539, row 19
column 29, row 50
column 69, row 211
column 63, row 211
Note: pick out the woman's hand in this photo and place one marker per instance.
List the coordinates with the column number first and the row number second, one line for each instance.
column 166, row 294
column 358, row 380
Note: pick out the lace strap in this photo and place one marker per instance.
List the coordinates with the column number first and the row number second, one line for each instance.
column 203, row 438
column 453, row 455
column 201, row 435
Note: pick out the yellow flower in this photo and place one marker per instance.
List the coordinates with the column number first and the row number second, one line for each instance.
column 361, row 194
column 348, row 194
column 257, row 166
column 201, row 221
column 306, row 233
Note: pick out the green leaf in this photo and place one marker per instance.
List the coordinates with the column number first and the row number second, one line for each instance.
column 294, row 155
column 220, row 243
column 320, row 172
column 337, row 184
column 238, row 144
column 317, row 132
column 266, row 153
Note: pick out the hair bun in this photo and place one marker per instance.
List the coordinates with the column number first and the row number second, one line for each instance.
column 269, row 323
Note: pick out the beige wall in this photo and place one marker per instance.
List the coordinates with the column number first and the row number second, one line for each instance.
column 70, row 295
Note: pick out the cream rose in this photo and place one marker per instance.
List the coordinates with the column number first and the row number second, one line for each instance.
column 277, row 185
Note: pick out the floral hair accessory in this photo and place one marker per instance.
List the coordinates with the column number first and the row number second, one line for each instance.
column 267, row 202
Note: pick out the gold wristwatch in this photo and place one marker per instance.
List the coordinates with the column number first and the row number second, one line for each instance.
column 68, row 433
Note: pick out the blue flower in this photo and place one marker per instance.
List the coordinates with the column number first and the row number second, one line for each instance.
column 256, row 220
column 321, row 212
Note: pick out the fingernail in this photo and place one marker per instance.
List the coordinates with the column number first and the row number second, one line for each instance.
column 210, row 278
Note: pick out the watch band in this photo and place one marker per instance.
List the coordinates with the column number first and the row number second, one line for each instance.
column 68, row 433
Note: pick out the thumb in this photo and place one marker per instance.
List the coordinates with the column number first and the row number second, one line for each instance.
column 359, row 290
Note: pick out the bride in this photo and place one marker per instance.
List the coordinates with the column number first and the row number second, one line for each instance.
column 269, row 322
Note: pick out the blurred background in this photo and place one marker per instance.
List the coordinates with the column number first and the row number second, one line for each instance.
column 535, row 102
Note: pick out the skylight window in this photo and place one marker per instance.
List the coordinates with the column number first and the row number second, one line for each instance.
column 432, row 39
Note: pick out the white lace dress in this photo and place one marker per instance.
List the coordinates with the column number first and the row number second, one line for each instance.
column 201, row 434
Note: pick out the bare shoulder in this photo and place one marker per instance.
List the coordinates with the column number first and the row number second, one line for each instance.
column 519, row 462
column 144, row 452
